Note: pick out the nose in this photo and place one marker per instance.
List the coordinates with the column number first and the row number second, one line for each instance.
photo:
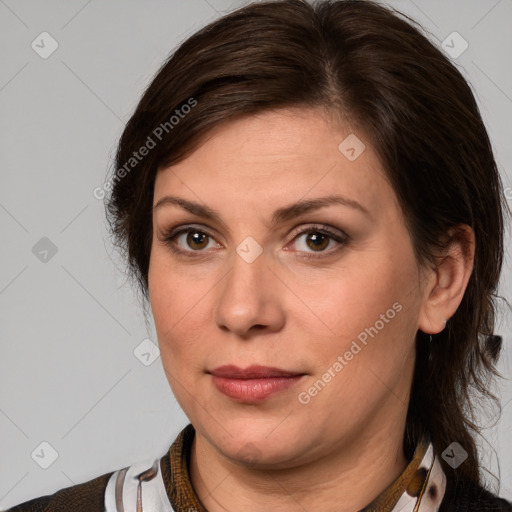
column 250, row 299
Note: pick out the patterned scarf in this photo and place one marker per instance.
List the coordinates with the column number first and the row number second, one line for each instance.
column 151, row 486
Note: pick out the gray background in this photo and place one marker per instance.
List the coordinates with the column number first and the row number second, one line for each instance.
column 70, row 323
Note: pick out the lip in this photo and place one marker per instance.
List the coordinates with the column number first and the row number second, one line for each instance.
column 253, row 384
column 252, row 372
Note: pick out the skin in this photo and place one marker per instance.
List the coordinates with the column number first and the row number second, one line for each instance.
column 344, row 447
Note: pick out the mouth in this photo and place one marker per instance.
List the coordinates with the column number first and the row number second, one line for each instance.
column 252, row 372
column 253, row 384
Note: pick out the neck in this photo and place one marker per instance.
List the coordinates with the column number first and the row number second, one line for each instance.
column 348, row 478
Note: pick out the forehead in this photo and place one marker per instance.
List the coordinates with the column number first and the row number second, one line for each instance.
column 277, row 157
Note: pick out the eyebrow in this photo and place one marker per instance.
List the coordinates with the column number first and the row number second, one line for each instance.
column 280, row 215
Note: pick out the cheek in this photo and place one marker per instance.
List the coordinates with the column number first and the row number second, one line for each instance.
column 178, row 304
column 344, row 301
column 371, row 350
column 367, row 314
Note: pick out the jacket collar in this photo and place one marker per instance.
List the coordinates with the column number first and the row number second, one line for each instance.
column 420, row 487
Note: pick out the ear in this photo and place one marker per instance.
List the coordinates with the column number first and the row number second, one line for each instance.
column 447, row 282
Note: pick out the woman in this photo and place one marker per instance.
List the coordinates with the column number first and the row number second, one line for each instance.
column 326, row 238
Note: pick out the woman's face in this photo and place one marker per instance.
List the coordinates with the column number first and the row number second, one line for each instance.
column 252, row 286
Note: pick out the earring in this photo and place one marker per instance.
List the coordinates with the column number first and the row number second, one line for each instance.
column 430, row 338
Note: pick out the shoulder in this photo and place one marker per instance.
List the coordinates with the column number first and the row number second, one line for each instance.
column 468, row 497
column 111, row 492
column 88, row 496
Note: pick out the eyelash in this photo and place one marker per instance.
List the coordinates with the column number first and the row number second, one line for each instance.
column 316, row 229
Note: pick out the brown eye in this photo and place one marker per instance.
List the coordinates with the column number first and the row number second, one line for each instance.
column 197, row 240
column 310, row 242
column 190, row 241
column 317, row 241
column 320, row 240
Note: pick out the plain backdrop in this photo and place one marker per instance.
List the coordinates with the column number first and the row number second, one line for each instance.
column 74, row 396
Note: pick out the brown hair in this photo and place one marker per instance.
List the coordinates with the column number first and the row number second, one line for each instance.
column 363, row 63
